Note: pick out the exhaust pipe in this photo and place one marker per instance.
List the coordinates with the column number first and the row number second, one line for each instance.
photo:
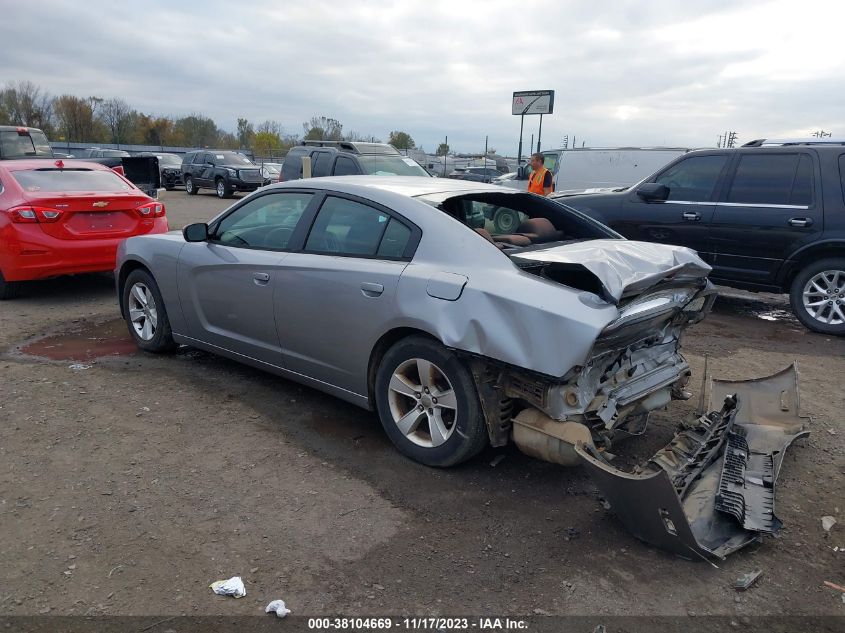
column 542, row 437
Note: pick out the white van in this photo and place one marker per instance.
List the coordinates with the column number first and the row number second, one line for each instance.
column 592, row 169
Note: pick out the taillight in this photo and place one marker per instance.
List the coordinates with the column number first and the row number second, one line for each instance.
column 150, row 210
column 29, row 215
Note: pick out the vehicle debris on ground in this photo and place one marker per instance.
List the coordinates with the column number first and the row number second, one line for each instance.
column 234, row 587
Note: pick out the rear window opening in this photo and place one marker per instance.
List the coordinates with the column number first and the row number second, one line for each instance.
column 576, row 277
column 56, row 180
column 516, row 222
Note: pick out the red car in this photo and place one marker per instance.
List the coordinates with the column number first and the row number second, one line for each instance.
column 66, row 217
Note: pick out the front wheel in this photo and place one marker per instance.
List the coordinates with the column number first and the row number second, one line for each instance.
column 817, row 296
column 146, row 316
column 190, row 187
column 428, row 404
column 222, row 190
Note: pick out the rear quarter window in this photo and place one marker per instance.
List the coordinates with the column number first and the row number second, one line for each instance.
column 70, row 180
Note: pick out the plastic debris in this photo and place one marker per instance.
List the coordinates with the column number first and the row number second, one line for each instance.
column 827, row 523
column 233, row 587
column 827, row 583
column 79, row 367
column 278, row 607
column 746, row 580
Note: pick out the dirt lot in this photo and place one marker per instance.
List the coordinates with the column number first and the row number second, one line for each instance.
column 129, row 482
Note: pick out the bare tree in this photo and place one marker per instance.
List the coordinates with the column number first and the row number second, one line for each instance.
column 323, row 129
column 24, row 104
column 117, row 116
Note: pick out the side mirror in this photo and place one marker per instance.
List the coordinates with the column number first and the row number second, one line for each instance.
column 195, row 232
column 522, row 172
column 653, row 192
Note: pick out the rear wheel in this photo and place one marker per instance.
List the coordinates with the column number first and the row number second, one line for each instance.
column 146, row 316
column 9, row 289
column 817, row 296
column 189, row 186
column 428, row 404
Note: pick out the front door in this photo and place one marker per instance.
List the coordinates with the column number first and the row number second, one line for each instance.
column 334, row 298
column 683, row 219
column 227, row 284
column 770, row 209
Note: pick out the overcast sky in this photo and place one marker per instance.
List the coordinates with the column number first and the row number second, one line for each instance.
column 647, row 72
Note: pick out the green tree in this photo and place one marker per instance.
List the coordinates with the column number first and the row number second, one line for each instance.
column 401, row 140
column 245, row 133
column 197, row 131
column 442, row 149
column 76, row 118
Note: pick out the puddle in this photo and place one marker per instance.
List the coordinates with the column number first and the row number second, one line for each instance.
column 773, row 310
column 91, row 341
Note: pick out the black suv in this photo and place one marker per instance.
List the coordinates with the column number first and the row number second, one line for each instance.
column 345, row 158
column 224, row 171
column 768, row 216
column 23, row 142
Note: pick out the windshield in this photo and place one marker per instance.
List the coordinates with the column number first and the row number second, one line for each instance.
column 70, row 180
column 232, row 158
column 380, row 165
column 169, row 159
column 14, row 144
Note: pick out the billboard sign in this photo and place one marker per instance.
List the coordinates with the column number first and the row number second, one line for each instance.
column 533, row 102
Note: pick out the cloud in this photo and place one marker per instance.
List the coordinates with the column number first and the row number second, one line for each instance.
column 626, row 73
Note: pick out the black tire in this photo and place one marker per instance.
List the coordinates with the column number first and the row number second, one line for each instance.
column 9, row 289
column 222, row 190
column 468, row 432
column 162, row 339
column 505, row 220
column 829, row 306
column 168, row 184
column 190, row 188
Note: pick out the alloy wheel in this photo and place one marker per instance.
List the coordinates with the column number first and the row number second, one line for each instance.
column 423, row 402
column 142, row 311
column 824, row 297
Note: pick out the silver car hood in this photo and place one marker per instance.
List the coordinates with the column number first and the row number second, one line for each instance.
column 622, row 267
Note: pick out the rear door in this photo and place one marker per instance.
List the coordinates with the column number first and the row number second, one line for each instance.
column 684, row 218
column 227, row 284
column 334, row 297
column 321, row 164
column 771, row 206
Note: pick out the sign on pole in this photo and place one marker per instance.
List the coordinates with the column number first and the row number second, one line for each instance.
column 533, row 102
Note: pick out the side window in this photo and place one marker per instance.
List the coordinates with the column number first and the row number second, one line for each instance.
column 264, row 222
column 321, row 164
column 346, row 227
column 773, row 179
column 395, row 239
column 345, row 166
column 842, row 174
column 199, row 158
column 694, row 178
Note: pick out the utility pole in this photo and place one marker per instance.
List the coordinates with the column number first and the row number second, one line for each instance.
column 486, row 138
column 519, row 153
column 732, row 139
column 445, row 154
column 540, row 133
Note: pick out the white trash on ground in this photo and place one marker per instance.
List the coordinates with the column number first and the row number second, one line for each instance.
column 828, row 522
column 278, row 607
column 233, row 587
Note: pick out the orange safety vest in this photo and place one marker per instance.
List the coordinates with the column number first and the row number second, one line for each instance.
column 535, row 181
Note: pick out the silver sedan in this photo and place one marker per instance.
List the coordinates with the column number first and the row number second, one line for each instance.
column 464, row 314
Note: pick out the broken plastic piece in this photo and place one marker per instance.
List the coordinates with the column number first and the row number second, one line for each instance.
column 676, row 502
column 746, row 580
column 828, row 522
column 233, row 587
column 278, row 607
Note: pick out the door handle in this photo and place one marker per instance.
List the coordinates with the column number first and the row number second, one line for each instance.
column 691, row 216
column 260, row 279
column 800, row 222
column 371, row 289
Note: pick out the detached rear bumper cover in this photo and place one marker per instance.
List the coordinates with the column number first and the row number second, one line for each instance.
column 710, row 492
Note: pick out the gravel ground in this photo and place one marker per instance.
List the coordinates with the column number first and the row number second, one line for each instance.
column 129, row 482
